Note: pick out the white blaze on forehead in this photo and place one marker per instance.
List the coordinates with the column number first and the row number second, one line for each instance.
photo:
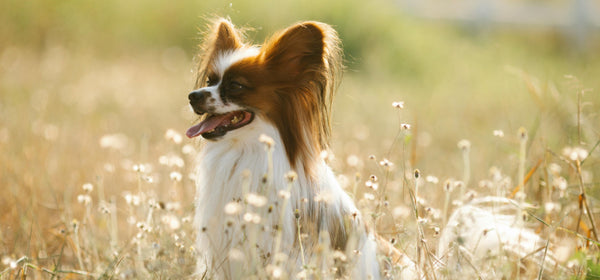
column 221, row 64
column 226, row 59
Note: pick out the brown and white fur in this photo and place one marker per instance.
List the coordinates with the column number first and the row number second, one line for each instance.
column 282, row 89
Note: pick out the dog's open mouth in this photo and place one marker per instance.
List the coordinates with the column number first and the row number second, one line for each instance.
column 214, row 126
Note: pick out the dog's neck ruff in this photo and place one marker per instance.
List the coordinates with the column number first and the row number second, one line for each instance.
column 233, row 167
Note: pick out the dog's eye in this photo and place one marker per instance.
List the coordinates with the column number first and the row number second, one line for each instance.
column 236, row 86
column 211, row 81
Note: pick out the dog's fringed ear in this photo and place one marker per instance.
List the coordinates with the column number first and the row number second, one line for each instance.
column 309, row 53
column 227, row 37
column 296, row 49
column 222, row 36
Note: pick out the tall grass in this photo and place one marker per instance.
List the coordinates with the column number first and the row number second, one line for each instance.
column 98, row 183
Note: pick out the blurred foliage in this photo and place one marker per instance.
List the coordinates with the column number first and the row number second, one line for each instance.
column 458, row 80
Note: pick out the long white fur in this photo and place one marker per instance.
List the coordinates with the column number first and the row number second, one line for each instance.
column 487, row 228
column 220, row 176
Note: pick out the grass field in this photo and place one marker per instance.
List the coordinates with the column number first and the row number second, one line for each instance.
column 97, row 179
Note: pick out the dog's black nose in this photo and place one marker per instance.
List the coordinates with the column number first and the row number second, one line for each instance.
column 198, row 95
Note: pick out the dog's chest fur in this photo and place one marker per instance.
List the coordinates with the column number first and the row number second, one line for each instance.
column 230, row 169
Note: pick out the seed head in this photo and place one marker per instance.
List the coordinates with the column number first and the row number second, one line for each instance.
column 175, row 176
column 88, row 188
column 398, row 104
column 114, row 141
column 432, row 179
column 575, row 153
column 297, row 214
column 132, row 199
column 459, row 184
column 84, row 199
column 448, row 186
column 152, row 203
column 232, row 208
column 236, row 255
column 173, row 135
column 256, row 200
column 188, row 149
column 291, row 176
column 148, row 179
column 522, row 134
column 250, row 217
column 139, row 168
column 495, row 173
column 555, row 169
column 353, row 160
column 524, row 215
column 171, row 221
column 337, row 254
column 171, row 161
column 267, row 140
column 464, row 145
column 436, row 231
column 284, row 194
column 326, row 156
column 104, row 209
column 386, row 163
column 373, row 178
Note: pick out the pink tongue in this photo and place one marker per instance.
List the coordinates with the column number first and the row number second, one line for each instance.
column 206, row 125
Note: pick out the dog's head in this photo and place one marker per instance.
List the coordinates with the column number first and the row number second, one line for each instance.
column 289, row 82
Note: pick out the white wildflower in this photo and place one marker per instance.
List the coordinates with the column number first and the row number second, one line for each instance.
column 432, row 179
column 84, row 199
column 386, row 163
column 236, row 255
column 171, row 161
column 256, row 200
column 233, row 208
column 139, row 168
column 175, row 176
column 188, row 149
column 284, row 194
column 555, row 169
column 398, row 104
column 114, row 141
column 250, row 217
column 464, row 145
column 171, row 221
column 575, row 153
column 560, row 183
column 267, row 140
column 173, row 135
column 353, row 161
column 88, row 188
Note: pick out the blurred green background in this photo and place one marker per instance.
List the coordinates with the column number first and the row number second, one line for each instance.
column 125, row 66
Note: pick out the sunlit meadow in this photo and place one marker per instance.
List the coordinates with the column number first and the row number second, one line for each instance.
column 97, row 176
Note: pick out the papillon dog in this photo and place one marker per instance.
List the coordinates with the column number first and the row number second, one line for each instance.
column 265, row 114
